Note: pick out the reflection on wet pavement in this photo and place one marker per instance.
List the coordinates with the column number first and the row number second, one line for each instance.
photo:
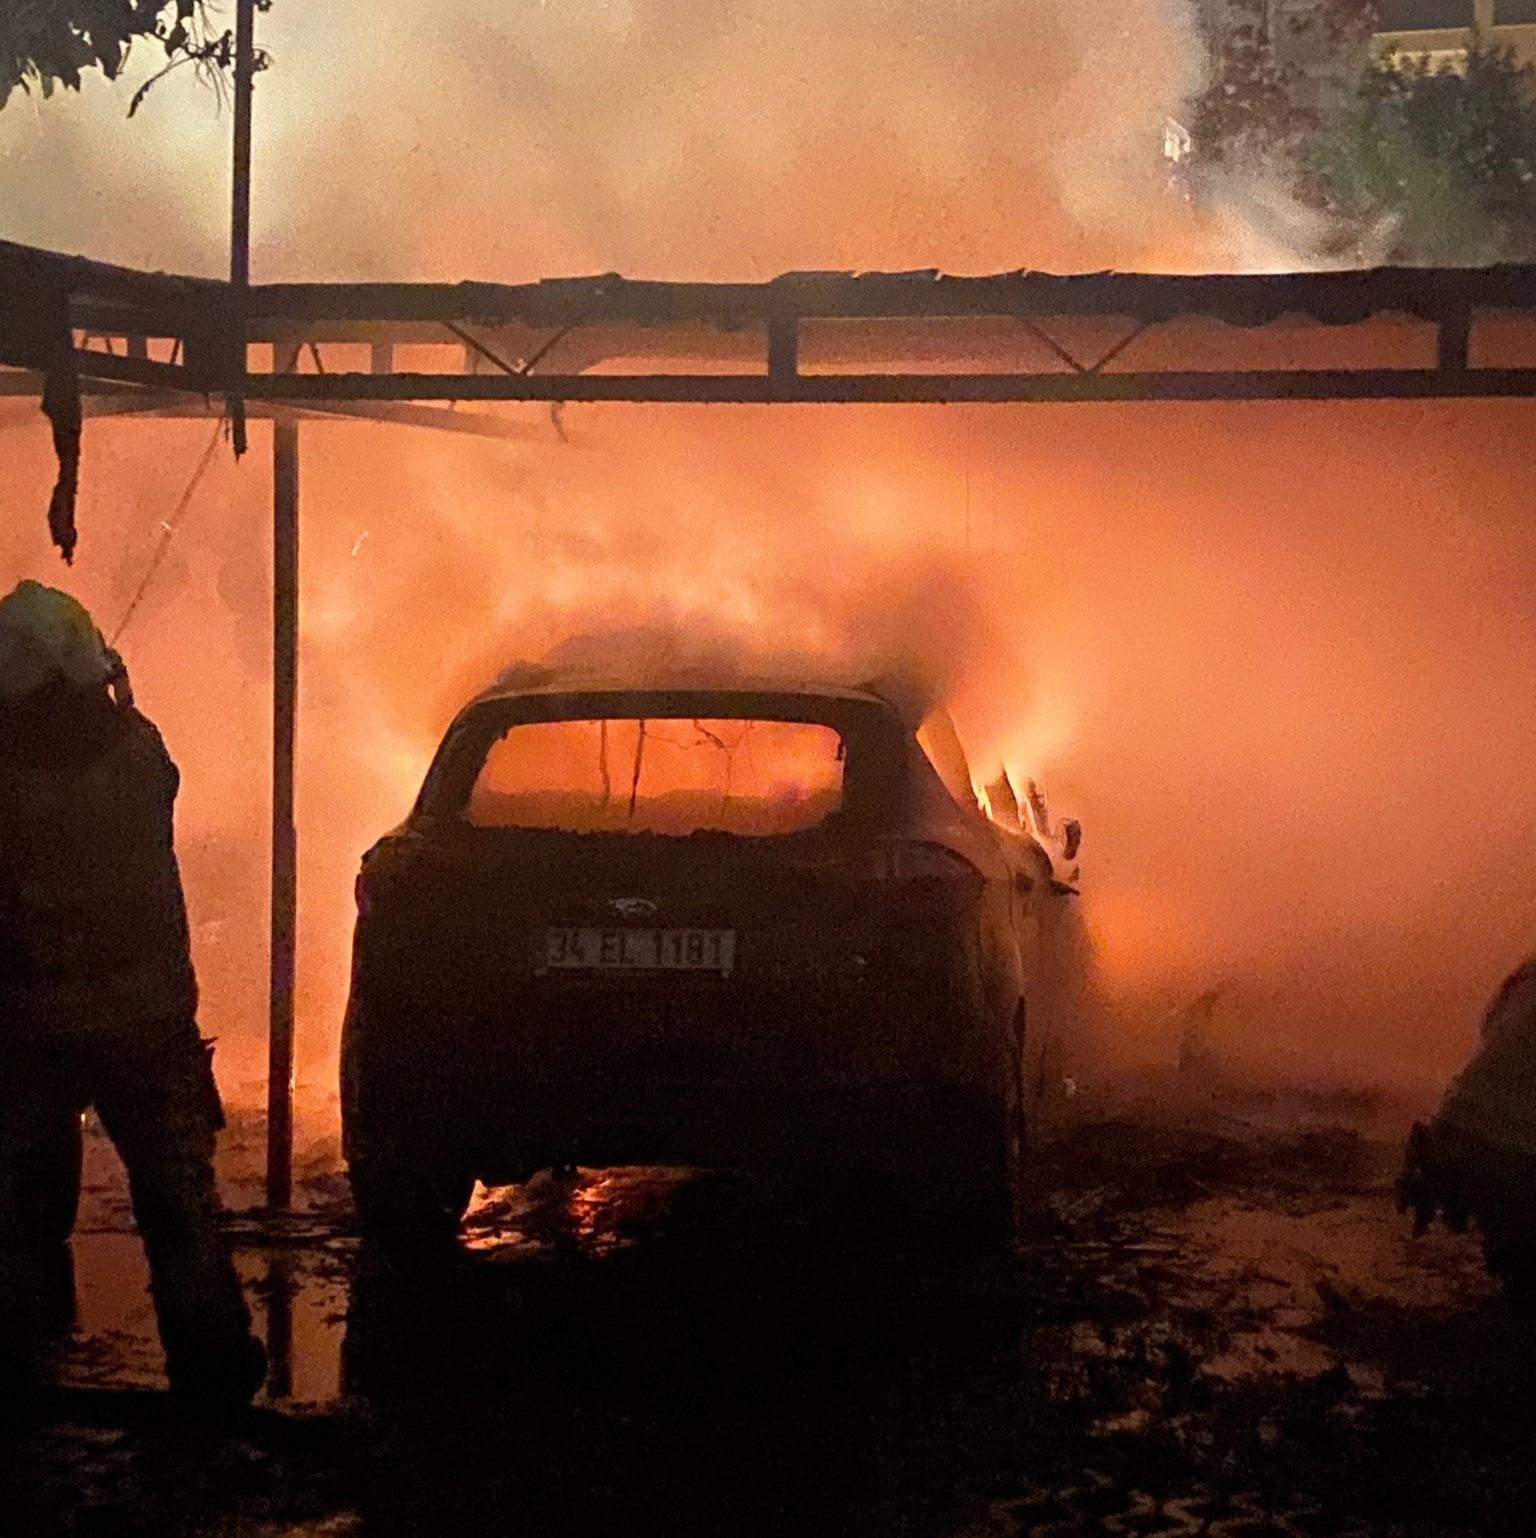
column 593, row 1214
column 1221, row 1326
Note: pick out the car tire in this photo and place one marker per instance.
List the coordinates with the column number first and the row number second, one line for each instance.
column 410, row 1208
column 992, row 1211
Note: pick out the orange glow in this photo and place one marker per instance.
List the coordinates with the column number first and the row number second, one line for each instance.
column 673, row 777
column 1278, row 658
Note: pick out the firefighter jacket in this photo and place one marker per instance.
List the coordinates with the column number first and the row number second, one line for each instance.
column 93, row 924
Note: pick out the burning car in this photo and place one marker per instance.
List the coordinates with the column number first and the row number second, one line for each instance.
column 706, row 922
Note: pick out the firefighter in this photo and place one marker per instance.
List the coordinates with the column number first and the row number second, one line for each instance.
column 97, row 993
column 1475, row 1160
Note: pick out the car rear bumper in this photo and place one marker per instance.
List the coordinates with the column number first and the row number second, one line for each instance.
column 900, row 1075
column 920, row 1129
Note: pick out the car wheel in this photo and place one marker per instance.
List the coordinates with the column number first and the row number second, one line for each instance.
column 992, row 1209
column 410, row 1207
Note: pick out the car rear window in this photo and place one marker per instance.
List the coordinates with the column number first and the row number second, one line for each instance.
column 673, row 776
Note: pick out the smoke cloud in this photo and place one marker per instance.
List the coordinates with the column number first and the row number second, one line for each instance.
column 1277, row 658
column 661, row 138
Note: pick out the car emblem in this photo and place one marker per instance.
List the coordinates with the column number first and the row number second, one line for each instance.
column 633, row 907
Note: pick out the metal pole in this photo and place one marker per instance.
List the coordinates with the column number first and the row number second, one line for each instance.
column 240, row 205
column 285, row 698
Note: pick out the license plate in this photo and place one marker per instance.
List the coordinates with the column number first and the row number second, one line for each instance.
column 639, row 950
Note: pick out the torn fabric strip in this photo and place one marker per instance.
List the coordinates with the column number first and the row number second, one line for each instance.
column 35, row 334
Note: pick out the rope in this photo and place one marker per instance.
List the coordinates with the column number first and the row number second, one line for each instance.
column 167, row 533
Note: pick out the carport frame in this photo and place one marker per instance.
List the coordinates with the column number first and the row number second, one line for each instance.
column 153, row 345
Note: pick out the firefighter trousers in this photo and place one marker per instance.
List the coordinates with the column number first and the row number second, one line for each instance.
column 153, row 1090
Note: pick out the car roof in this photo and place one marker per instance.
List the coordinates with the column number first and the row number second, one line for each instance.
column 538, row 679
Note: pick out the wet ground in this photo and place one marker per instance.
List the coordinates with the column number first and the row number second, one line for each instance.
column 1221, row 1327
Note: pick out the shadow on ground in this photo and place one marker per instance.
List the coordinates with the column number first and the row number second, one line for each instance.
column 1220, row 1326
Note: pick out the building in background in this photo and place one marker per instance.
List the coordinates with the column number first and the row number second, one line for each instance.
column 1363, row 113
column 1442, row 30
column 1318, row 48
column 1279, row 67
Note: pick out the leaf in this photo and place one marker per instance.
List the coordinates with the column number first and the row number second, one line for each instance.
column 64, row 38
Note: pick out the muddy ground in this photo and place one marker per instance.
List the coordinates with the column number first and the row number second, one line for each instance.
column 1221, row 1327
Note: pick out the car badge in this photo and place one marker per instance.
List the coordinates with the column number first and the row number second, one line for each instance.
column 633, row 907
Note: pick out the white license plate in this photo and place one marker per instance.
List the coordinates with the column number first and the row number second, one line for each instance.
column 639, row 950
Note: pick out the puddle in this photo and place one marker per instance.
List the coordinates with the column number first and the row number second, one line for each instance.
column 297, row 1268
column 113, row 1344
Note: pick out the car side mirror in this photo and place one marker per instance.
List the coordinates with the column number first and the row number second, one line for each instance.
column 1071, row 838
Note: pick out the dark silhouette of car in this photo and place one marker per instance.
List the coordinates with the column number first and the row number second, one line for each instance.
column 1473, row 1163
column 702, row 921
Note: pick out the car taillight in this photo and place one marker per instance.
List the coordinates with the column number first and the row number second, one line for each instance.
column 913, row 860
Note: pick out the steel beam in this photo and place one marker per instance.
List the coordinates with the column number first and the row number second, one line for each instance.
column 906, row 389
column 93, row 364
column 442, row 419
column 285, row 696
column 17, row 410
column 390, row 397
